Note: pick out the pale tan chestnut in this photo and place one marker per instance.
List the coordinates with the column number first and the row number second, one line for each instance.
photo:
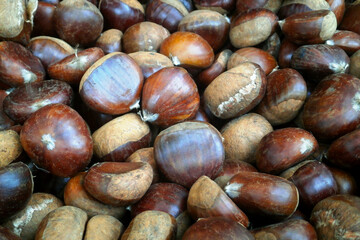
column 236, row 91
column 118, row 139
column 355, row 64
column 103, row 227
column 10, row 147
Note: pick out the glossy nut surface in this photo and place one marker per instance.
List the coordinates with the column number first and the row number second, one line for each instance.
column 346, row 40
column 290, row 7
column 110, row 41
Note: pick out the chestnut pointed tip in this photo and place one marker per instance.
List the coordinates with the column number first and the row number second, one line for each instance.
column 136, row 105
column 148, row 116
column 281, row 23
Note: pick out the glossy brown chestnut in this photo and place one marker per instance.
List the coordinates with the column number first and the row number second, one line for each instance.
column 338, row 7
column 333, row 108
column 288, row 229
column 236, row 91
column 150, row 62
column 76, row 195
column 287, row 48
column 290, row 7
column 110, row 41
column 29, row 98
column 243, row 134
column 166, row 197
column 320, row 60
column 63, row 151
column 219, row 66
column 169, row 96
column 285, row 95
column 188, row 50
column 112, row 84
column 263, row 195
column 118, row 139
column 346, row 183
column 252, row 27
column 78, row 22
column 118, row 183
column 72, row 68
column 49, row 49
column 337, row 217
column 283, row 148
column 10, row 147
column 309, row 27
column 255, row 55
column 244, row 5
column 210, row 25
column 207, row 199
column 220, row 6
column 355, row 64
column 144, row 36
column 346, row 40
column 167, row 13
column 5, row 121
column 217, row 228
column 350, row 21
column 16, row 187
column 44, row 20
column 120, row 14
column 18, row 65
column 180, row 140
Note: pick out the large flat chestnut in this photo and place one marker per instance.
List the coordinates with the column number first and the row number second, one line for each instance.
column 57, row 139
column 182, row 156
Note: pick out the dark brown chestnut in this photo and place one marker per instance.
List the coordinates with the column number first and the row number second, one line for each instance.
column 346, row 40
column 272, row 5
column 5, row 121
column 6, row 234
column 44, row 20
column 350, row 21
column 346, row 183
column 287, row 48
column 290, row 7
column 355, row 64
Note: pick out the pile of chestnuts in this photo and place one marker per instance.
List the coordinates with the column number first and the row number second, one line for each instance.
column 179, row 119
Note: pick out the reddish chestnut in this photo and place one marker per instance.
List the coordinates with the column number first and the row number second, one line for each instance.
column 287, row 48
column 338, row 7
column 63, row 151
column 350, row 21
column 346, row 183
column 346, row 40
column 44, row 20
column 110, row 41
column 272, row 5
column 222, row 6
column 291, row 7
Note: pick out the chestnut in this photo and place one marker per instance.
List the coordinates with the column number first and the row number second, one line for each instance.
column 338, row 7
column 16, row 188
column 236, row 91
column 350, row 21
column 345, row 181
column 355, row 64
column 290, row 7
column 217, row 228
column 346, row 40
column 118, row 139
column 103, row 227
column 6, row 234
column 272, row 45
column 18, row 65
column 44, row 20
column 272, row 5
column 110, row 41
column 252, row 27
column 118, row 183
column 169, row 96
column 63, row 151
column 30, row 97
column 210, row 25
column 10, row 147
column 144, row 36
column 5, row 121
column 78, row 22
column 180, row 140
column 286, row 51
column 112, row 85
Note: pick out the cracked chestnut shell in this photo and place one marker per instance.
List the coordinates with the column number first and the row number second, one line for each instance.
column 57, row 139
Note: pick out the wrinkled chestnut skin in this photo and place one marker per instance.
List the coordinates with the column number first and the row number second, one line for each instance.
column 27, row 99
column 220, row 6
column 284, row 148
column 337, row 217
column 289, row 229
column 180, row 140
column 18, row 65
column 346, row 40
column 217, row 228
column 167, row 197
column 63, row 151
column 285, row 95
column 333, row 108
column 318, row 61
column 286, row 51
column 16, row 187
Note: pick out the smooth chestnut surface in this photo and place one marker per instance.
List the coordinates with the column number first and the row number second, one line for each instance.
column 338, row 7
column 72, row 68
column 144, row 36
column 335, row 213
column 210, row 25
column 350, row 21
column 283, row 148
column 49, row 49
column 220, row 6
column 27, row 99
column 5, row 121
column 44, row 20
column 346, row 40
column 116, row 140
column 121, row 14
column 272, row 5
column 318, row 61
column 188, row 50
column 207, row 199
column 333, row 108
column 355, row 64
column 287, row 48
column 183, row 157
column 217, row 228
column 285, row 95
column 346, row 183
column 169, row 96
column 16, row 187
column 263, row 195
column 110, row 41
column 290, row 7
column 289, row 229
column 18, row 65
column 78, row 22
column 57, row 139
column 309, row 27
column 118, row 183
column 112, row 84
column 166, row 197
column 252, row 27
column 236, row 91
